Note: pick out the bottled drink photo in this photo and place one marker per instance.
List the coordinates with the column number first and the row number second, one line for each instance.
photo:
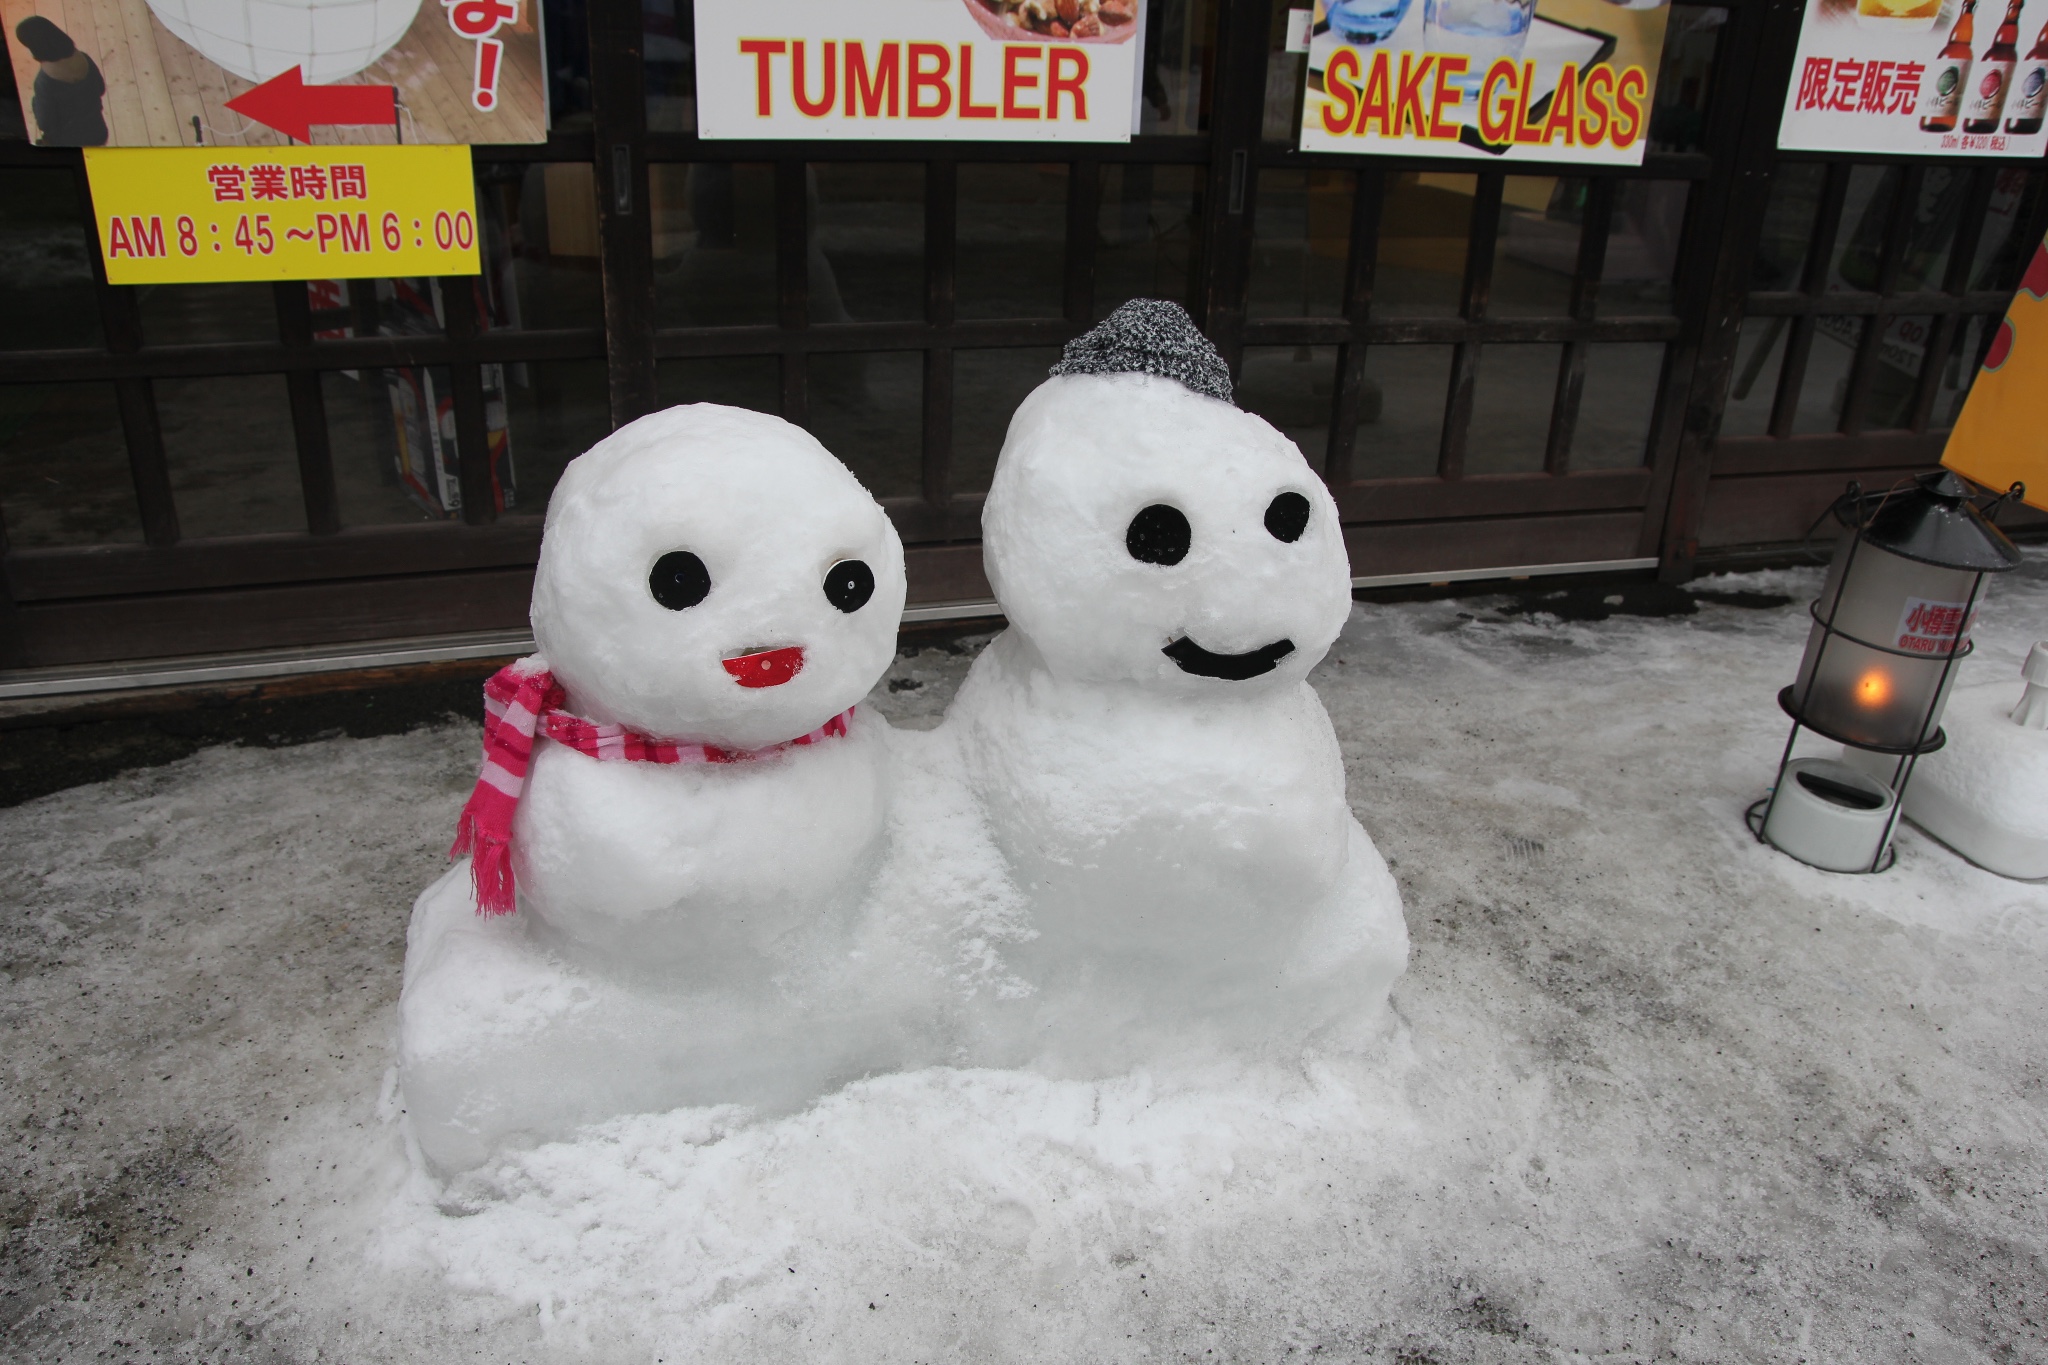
column 1948, row 76
column 2030, row 88
column 1985, row 104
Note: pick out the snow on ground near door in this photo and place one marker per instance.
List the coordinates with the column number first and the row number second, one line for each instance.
column 1655, row 1091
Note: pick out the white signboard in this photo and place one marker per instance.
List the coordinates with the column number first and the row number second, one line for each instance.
column 971, row 70
column 1919, row 76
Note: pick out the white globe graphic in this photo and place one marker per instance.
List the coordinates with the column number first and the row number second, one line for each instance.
column 257, row 39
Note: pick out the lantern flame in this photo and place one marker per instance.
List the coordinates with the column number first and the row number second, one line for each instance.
column 1874, row 688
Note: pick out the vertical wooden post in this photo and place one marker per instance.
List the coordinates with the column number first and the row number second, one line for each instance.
column 618, row 91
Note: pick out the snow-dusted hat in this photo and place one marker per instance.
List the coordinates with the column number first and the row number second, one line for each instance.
column 1150, row 336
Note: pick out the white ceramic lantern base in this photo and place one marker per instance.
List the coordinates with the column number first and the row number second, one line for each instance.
column 1984, row 793
column 1829, row 815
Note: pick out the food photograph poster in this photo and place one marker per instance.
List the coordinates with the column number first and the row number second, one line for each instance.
column 1919, row 76
column 1529, row 80
column 981, row 70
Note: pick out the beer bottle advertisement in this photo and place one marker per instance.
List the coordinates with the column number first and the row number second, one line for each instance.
column 1925, row 77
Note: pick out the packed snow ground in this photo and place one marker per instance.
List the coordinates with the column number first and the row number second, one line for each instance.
column 1652, row 1091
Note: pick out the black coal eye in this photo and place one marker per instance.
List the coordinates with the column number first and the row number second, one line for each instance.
column 1287, row 517
column 1159, row 535
column 679, row 580
column 849, row 584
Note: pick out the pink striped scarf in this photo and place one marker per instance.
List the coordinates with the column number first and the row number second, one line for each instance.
column 524, row 698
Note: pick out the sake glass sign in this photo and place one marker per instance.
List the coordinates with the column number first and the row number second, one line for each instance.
column 980, row 70
column 1490, row 80
column 1936, row 77
column 189, row 215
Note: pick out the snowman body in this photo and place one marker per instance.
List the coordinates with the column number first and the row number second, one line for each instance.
column 712, row 580
column 1155, row 767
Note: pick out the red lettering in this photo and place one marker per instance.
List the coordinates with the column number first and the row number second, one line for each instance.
column 1564, row 108
column 1340, row 99
column 871, row 92
column 1408, row 94
column 935, row 79
column 355, row 236
column 1056, row 84
column 1523, row 132
column 117, row 240
column 1442, row 97
column 1015, row 80
column 1629, row 92
column 762, row 50
column 968, row 108
column 1378, row 101
column 1593, row 94
column 329, row 228
column 147, row 241
column 1497, row 101
column 805, row 105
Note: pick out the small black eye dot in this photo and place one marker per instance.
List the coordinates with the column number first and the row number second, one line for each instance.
column 1159, row 535
column 679, row 580
column 1287, row 517
column 849, row 584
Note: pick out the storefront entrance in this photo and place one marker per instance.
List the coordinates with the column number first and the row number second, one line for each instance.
column 1670, row 368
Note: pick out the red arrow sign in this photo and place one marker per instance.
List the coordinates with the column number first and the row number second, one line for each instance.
column 285, row 102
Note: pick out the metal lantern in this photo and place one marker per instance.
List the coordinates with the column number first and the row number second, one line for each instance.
column 1889, row 628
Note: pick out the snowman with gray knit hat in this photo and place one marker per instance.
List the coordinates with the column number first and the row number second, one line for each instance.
column 1164, row 783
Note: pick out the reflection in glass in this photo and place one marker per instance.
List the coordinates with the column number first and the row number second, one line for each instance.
column 1146, row 247
column 1859, row 242
column 867, row 409
column 2001, row 252
column 64, row 467
column 714, row 244
column 1401, row 412
column 540, row 244
column 1787, row 233
column 1678, row 119
column 987, row 387
column 1931, row 231
column 558, row 409
column 1511, row 409
column 1302, row 238
column 737, row 381
column 1616, row 404
column 1827, row 375
column 45, row 263
column 363, row 442
column 1536, row 252
column 1642, row 248
column 1012, row 240
column 1180, row 37
column 1292, row 387
column 1759, row 356
column 1895, row 375
column 233, row 461
column 188, row 314
column 667, row 42
column 1423, row 227
column 867, row 236
column 1959, row 370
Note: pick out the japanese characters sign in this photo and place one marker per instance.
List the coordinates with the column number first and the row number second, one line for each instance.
column 1527, row 80
column 266, row 73
column 201, row 214
column 1928, row 76
column 981, row 70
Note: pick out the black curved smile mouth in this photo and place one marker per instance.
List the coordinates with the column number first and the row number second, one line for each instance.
column 1194, row 659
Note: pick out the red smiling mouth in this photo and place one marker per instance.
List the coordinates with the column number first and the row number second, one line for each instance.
column 769, row 668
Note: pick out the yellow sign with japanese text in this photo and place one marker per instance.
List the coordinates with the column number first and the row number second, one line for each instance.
column 1997, row 440
column 196, row 215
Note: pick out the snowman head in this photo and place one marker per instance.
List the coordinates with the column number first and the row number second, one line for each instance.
column 1142, row 528
column 713, row 575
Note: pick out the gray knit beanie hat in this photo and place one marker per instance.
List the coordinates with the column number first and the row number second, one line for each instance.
column 1150, row 336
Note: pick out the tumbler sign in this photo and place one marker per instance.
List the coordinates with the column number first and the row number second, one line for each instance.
column 980, row 70
column 1927, row 76
column 1529, row 80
